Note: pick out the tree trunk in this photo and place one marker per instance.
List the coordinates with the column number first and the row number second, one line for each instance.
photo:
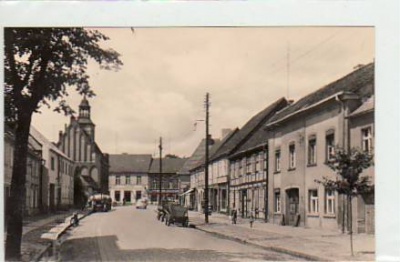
column 350, row 219
column 17, row 192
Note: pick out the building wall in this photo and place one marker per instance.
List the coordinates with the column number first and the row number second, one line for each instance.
column 247, row 183
column 33, row 169
column 130, row 186
column 303, row 177
column 364, row 206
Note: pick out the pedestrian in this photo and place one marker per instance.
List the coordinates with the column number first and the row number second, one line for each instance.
column 234, row 215
column 123, row 201
column 251, row 218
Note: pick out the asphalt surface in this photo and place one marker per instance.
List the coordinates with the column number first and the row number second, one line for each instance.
column 129, row 234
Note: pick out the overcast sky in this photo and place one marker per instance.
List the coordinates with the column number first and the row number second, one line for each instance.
column 160, row 90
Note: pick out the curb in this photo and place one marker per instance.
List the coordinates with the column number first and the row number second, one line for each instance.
column 38, row 256
column 272, row 248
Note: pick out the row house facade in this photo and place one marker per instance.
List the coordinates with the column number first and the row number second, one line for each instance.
column 128, row 178
column 362, row 133
column 302, row 139
column 190, row 198
column 172, row 182
column 248, row 165
column 57, row 177
column 77, row 141
column 34, row 163
column 197, row 172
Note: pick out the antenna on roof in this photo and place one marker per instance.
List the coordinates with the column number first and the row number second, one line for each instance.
column 287, row 70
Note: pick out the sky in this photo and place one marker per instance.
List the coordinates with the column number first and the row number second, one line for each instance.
column 161, row 88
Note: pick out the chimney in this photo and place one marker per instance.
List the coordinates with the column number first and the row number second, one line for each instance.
column 225, row 132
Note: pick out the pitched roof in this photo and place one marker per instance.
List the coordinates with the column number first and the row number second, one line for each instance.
column 249, row 128
column 197, row 158
column 360, row 82
column 45, row 142
column 129, row 163
column 259, row 135
column 367, row 106
column 169, row 165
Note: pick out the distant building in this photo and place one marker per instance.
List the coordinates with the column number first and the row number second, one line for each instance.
column 170, row 177
column 197, row 171
column 128, row 179
column 302, row 139
column 77, row 141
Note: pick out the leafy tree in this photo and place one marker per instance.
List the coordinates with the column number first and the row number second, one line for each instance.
column 40, row 66
column 349, row 166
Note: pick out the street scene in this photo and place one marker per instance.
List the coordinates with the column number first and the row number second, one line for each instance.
column 189, row 144
column 124, row 235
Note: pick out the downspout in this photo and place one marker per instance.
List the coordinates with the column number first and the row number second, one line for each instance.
column 337, row 98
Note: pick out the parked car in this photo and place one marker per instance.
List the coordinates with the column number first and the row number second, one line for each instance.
column 100, row 202
column 142, row 203
column 175, row 213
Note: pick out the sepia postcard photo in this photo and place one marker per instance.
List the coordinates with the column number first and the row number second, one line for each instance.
column 193, row 140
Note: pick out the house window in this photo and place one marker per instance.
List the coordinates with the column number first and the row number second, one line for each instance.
column 138, row 180
column 248, row 165
column 117, row 180
column 292, row 156
column 117, row 196
column 330, row 146
column 312, row 151
column 52, row 163
column 127, row 180
column 277, row 207
column 366, row 139
column 278, row 160
column 313, row 201
column 257, row 164
column 330, row 202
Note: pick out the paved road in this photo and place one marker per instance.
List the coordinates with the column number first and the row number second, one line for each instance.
column 128, row 234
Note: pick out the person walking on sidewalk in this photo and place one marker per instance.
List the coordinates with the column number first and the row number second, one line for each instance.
column 251, row 218
column 234, row 215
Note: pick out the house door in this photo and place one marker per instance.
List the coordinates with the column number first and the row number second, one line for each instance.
column 52, row 194
column 292, row 209
column 244, row 203
column 138, row 195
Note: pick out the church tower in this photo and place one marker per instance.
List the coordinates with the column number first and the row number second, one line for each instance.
column 84, row 118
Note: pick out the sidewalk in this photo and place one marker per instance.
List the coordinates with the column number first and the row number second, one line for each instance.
column 33, row 227
column 311, row 244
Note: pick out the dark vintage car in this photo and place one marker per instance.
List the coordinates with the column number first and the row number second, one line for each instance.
column 100, row 202
column 176, row 214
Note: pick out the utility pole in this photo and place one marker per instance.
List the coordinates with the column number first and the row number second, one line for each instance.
column 160, row 174
column 207, row 105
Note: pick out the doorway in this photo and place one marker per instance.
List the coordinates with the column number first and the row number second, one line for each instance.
column 292, row 209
